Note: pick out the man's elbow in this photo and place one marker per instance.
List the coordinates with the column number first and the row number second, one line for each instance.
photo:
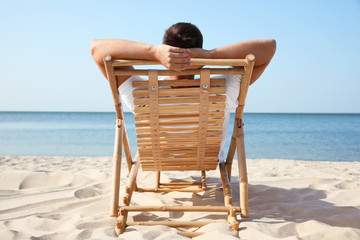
column 272, row 45
column 94, row 50
column 269, row 51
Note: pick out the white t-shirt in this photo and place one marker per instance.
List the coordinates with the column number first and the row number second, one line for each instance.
column 232, row 93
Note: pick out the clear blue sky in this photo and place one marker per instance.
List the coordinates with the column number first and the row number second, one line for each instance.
column 46, row 63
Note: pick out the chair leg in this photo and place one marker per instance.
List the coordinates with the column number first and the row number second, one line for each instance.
column 233, row 221
column 226, row 185
column 127, row 150
column 157, row 180
column 117, row 167
column 123, row 214
column 203, row 180
column 243, row 180
column 230, row 157
column 129, row 189
column 121, row 222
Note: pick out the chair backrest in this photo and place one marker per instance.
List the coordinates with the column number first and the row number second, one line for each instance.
column 179, row 122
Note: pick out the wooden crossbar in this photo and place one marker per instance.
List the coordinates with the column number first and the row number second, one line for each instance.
column 180, row 83
column 181, row 209
column 235, row 71
column 171, row 223
column 194, row 61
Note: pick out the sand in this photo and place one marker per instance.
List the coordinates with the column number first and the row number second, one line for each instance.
column 69, row 198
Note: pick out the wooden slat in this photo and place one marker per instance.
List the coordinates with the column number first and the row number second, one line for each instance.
column 180, row 160
column 177, row 143
column 178, row 129
column 146, row 153
column 178, row 92
column 180, row 164
column 208, row 159
column 203, row 119
column 174, row 140
column 163, row 116
column 146, row 156
column 153, row 110
column 188, row 163
column 179, row 83
column 190, row 158
column 188, row 134
column 206, row 168
column 193, row 144
column 173, row 145
column 179, row 168
column 177, row 161
column 180, row 100
column 180, row 108
column 179, row 123
column 169, row 151
column 174, row 135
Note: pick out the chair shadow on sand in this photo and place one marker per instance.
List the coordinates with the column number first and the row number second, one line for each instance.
column 297, row 205
column 277, row 205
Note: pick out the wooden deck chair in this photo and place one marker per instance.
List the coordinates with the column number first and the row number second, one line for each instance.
column 179, row 129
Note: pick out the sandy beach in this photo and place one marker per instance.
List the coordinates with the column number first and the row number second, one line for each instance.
column 68, row 198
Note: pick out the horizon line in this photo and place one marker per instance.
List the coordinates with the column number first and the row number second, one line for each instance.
column 27, row 111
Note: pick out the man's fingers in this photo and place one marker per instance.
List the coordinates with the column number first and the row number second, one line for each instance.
column 179, row 54
column 179, row 59
column 179, row 66
column 178, row 50
column 175, row 58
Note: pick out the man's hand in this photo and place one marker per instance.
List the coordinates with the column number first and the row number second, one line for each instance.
column 198, row 53
column 173, row 58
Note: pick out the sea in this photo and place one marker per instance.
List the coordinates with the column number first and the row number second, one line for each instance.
column 297, row 136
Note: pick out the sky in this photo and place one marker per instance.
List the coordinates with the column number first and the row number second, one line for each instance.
column 46, row 63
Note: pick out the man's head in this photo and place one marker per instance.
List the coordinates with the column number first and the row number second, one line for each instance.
column 183, row 35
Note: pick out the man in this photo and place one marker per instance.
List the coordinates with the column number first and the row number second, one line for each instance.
column 181, row 42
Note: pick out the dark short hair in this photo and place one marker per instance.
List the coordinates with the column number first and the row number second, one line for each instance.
column 183, row 35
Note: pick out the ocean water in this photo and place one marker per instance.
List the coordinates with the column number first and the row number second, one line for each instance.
column 313, row 137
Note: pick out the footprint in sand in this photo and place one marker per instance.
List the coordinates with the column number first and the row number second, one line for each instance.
column 86, row 193
column 348, row 185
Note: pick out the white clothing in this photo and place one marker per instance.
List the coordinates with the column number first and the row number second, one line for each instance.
column 232, row 93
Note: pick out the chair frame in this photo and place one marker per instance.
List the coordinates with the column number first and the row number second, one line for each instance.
column 241, row 66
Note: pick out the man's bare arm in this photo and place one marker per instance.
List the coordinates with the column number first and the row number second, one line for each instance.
column 263, row 50
column 171, row 57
